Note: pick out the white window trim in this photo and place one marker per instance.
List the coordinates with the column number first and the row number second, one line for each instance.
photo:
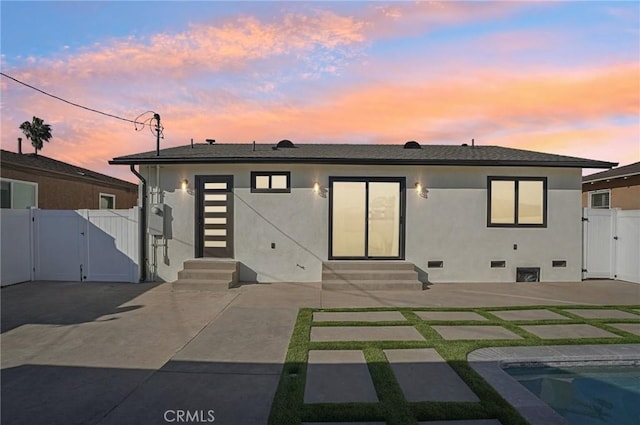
column 595, row 192
column 106, row 195
column 12, row 181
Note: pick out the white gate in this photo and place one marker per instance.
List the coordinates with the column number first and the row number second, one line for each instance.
column 111, row 245
column 93, row 245
column 16, row 254
column 58, row 245
column 627, row 266
column 611, row 244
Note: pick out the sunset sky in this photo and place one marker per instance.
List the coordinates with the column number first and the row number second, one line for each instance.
column 546, row 76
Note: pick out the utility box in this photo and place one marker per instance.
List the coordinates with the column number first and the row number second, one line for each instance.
column 156, row 219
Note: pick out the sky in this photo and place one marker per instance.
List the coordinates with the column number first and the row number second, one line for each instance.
column 556, row 77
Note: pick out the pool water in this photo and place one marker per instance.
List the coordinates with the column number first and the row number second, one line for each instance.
column 586, row 395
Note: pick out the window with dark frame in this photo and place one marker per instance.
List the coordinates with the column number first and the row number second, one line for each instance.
column 270, row 182
column 517, row 202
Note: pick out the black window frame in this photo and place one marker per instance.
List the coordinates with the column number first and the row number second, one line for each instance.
column 517, row 181
column 270, row 174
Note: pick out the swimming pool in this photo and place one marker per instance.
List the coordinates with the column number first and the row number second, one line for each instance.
column 492, row 363
column 586, row 395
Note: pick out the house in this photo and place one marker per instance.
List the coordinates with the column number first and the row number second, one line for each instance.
column 28, row 180
column 328, row 212
column 615, row 188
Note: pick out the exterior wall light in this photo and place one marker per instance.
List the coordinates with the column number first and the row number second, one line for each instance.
column 319, row 190
column 185, row 184
column 420, row 190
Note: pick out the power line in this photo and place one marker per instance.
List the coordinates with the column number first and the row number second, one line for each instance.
column 135, row 122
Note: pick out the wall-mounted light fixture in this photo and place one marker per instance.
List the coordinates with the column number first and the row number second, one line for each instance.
column 185, row 184
column 319, row 190
column 420, row 190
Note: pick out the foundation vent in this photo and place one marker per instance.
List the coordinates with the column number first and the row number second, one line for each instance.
column 528, row 274
column 435, row 264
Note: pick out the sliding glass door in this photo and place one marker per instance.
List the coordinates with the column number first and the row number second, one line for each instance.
column 367, row 218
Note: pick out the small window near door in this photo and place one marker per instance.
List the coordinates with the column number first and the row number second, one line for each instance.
column 270, row 182
column 600, row 199
column 107, row 202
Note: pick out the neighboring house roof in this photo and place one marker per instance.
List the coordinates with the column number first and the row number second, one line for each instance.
column 624, row 171
column 358, row 154
column 38, row 163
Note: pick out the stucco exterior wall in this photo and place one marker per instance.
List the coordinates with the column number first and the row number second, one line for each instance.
column 449, row 225
column 62, row 193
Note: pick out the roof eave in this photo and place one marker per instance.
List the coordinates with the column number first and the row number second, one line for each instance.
column 600, row 179
column 361, row 161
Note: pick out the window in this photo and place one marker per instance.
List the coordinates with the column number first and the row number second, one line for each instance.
column 18, row 194
column 517, row 201
column 107, row 201
column 270, row 181
column 600, row 199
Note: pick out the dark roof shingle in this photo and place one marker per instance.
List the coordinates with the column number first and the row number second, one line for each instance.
column 39, row 162
column 626, row 170
column 358, row 154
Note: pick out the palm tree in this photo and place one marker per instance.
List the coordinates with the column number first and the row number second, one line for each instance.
column 36, row 131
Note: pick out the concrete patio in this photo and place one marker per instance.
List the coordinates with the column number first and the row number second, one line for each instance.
column 129, row 353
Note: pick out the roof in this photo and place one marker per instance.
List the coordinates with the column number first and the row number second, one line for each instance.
column 34, row 162
column 624, row 171
column 357, row 154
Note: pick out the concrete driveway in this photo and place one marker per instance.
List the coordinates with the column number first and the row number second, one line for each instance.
column 95, row 353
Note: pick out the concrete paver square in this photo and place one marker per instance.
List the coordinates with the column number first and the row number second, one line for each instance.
column 475, row 332
column 365, row 333
column 588, row 313
column 633, row 328
column 568, row 331
column 449, row 315
column 537, row 314
column 357, row 316
column 338, row 376
column 424, row 376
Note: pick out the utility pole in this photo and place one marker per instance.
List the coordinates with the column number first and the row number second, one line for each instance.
column 157, row 118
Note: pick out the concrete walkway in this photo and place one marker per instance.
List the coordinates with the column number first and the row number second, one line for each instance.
column 90, row 353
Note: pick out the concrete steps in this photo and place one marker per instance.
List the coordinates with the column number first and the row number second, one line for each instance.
column 208, row 274
column 370, row 275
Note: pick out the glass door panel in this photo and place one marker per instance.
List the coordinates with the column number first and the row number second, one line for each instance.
column 349, row 219
column 384, row 219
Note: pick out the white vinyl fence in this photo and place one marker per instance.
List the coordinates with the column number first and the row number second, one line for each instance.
column 82, row 245
column 611, row 244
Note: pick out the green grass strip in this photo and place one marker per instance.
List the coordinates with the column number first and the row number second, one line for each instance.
column 288, row 400
column 288, row 406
